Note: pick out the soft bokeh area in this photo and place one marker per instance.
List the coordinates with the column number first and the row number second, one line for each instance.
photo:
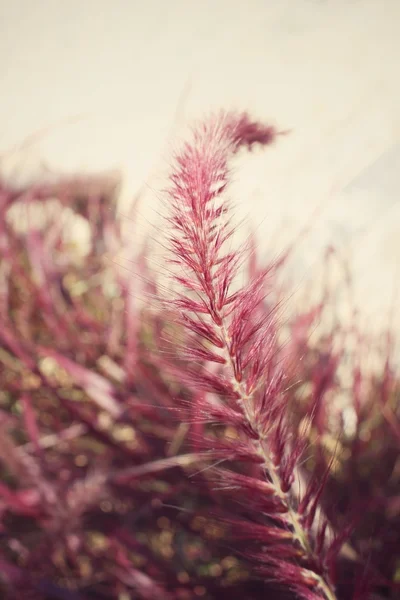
column 109, row 85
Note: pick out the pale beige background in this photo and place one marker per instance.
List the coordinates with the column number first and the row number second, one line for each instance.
column 328, row 70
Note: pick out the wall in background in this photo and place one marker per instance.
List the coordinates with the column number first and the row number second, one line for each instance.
column 113, row 81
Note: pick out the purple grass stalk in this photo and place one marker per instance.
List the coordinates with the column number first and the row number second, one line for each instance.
column 226, row 329
column 105, row 488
